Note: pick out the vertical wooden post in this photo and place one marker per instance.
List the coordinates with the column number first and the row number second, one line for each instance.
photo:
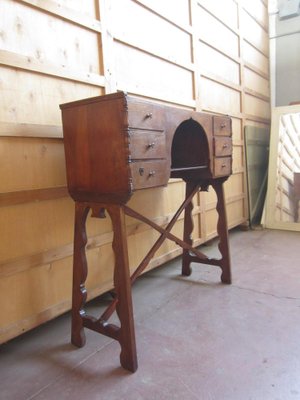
column 79, row 274
column 122, row 284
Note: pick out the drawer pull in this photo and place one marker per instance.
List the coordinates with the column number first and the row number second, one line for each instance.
column 149, row 115
column 151, row 145
column 223, row 125
column 223, row 165
column 151, row 173
column 225, row 145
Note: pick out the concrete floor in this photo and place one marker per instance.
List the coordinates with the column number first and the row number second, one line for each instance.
column 196, row 338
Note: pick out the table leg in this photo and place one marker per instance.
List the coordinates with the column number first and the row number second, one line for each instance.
column 122, row 284
column 79, row 275
column 222, row 230
column 187, row 231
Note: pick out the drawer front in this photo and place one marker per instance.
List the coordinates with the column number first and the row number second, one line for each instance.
column 147, row 144
column 222, row 166
column 222, row 126
column 145, row 116
column 147, row 174
column 222, row 146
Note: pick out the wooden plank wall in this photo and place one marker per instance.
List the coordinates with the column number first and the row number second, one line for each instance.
column 207, row 55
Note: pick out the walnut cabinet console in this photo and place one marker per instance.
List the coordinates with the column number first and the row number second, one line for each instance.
column 117, row 144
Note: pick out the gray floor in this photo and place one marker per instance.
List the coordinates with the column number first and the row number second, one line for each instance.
column 196, row 338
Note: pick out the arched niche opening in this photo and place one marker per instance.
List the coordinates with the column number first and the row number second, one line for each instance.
column 190, row 149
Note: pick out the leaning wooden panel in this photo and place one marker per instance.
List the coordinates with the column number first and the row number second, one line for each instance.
column 283, row 162
column 134, row 24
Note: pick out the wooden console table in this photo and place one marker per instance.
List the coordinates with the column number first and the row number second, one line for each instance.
column 117, row 144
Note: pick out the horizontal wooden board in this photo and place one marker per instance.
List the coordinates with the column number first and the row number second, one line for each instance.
column 234, row 186
column 226, row 11
column 31, row 163
column 214, row 62
column 68, row 45
column 179, row 14
column 88, row 7
column 220, row 97
column 237, row 133
column 213, row 32
column 237, row 159
column 254, row 33
column 30, row 130
column 38, row 99
column 256, row 106
column 252, row 56
column 236, row 212
column 166, row 40
column 256, row 82
column 257, row 10
column 138, row 72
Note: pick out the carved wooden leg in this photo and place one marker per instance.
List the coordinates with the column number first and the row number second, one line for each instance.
column 222, row 229
column 79, row 275
column 187, row 231
column 128, row 356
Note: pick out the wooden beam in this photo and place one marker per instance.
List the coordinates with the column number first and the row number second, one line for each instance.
column 29, row 196
column 30, row 130
column 28, row 63
column 66, row 13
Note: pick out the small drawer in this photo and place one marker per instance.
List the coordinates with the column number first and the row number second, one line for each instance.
column 222, row 166
column 145, row 115
column 222, row 146
column 222, row 126
column 147, row 144
column 146, row 174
